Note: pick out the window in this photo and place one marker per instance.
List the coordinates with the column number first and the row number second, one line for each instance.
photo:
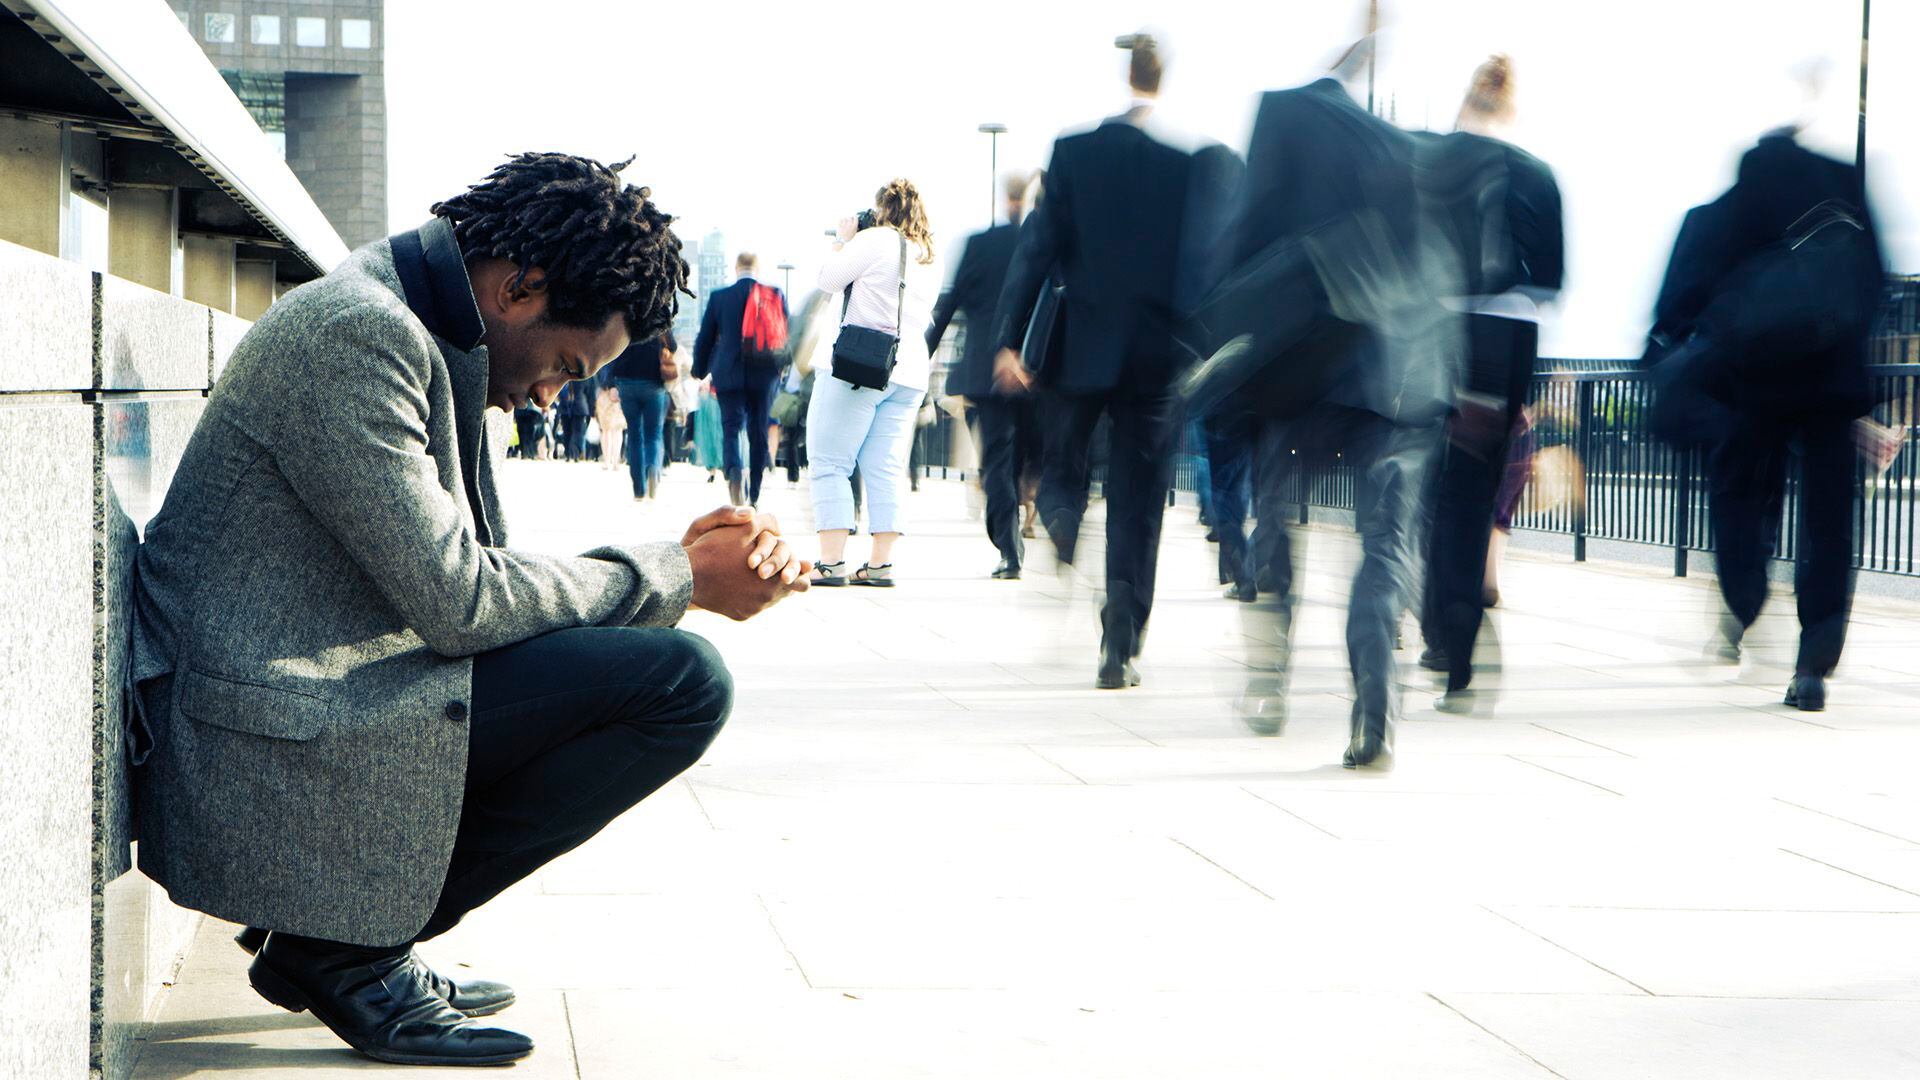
column 310, row 33
column 266, row 30
column 356, row 33
column 220, row 27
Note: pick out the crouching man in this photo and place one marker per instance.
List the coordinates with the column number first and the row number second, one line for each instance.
column 358, row 714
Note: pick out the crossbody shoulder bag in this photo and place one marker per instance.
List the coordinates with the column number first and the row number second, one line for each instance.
column 864, row 356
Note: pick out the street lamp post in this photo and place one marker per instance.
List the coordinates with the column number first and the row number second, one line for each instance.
column 786, row 270
column 993, row 133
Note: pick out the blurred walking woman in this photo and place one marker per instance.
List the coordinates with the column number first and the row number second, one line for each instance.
column 1513, row 265
column 884, row 264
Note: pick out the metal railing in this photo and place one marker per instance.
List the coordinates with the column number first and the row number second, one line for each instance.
column 1600, row 474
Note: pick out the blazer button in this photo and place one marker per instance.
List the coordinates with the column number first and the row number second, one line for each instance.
column 457, row 711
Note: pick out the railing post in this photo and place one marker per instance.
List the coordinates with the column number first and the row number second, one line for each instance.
column 1682, row 507
column 1583, row 410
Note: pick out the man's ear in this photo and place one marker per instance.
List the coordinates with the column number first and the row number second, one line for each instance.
column 522, row 297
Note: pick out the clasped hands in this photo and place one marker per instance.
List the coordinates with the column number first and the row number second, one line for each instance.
column 741, row 566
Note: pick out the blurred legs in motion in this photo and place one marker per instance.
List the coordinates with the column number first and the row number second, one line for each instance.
column 1139, row 471
column 1470, row 477
column 1748, row 481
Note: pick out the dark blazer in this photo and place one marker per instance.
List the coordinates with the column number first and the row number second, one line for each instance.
column 1778, row 182
column 716, row 351
column 975, row 293
column 1130, row 221
column 1318, row 164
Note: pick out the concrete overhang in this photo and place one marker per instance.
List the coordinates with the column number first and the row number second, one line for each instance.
column 129, row 72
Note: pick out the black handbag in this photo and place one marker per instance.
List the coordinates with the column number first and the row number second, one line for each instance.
column 863, row 356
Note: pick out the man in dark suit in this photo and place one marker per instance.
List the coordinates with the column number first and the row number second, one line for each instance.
column 1784, row 384
column 745, row 389
column 1009, row 430
column 1130, row 218
column 1326, row 174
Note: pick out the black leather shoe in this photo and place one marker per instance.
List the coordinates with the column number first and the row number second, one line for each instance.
column 475, row 997
column 1808, row 693
column 381, row 1004
column 1368, row 752
column 1116, row 673
column 1005, row 572
column 1245, row 593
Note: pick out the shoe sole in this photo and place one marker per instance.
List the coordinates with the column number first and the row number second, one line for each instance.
column 247, row 946
column 273, row 986
column 872, row 584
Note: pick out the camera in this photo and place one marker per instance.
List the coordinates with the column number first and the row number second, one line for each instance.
column 864, row 220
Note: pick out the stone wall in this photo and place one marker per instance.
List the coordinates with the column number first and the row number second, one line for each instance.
column 101, row 384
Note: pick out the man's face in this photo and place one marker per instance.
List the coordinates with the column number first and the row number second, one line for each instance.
column 530, row 356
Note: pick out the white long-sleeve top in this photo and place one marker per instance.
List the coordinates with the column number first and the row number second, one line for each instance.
column 870, row 262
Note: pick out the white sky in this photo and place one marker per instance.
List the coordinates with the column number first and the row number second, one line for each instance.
column 771, row 121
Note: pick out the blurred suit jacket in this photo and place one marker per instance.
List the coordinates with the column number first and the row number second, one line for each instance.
column 975, row 294
column 1131, row 220
column 1325, row 171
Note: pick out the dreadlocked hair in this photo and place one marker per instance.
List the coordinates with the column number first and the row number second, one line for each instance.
column 604, row 247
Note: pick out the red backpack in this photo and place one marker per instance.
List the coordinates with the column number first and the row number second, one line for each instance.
column 763, row 328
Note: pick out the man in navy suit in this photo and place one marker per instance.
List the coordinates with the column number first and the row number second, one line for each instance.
column 1009, row 431
column 745, row 389
column 1328, row 175
column 1130, row 218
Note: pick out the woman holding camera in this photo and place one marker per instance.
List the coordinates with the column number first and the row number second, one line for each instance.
column 883, row 262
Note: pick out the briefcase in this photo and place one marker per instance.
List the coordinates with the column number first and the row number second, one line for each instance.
column 1045, row 343
column 1265, row 337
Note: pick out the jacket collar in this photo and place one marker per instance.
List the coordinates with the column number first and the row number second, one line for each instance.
column 433, row 278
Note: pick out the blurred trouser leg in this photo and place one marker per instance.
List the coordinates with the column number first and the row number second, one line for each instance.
column 838, row 419
column 1230, row 445
column 652, row 440
column 733, row 423
column 884, row 453
column 1069, row 420
column 759, row 404
column 1000, row 474
column 1746, row 482
column 1389, row 463
column 632, row 391
column 568, row 731
column 1141, row 442
column 1823, row 573
column 1275, row 463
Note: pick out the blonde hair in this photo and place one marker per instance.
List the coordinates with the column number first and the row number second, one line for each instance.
column 899, row 206
column 1491, row 92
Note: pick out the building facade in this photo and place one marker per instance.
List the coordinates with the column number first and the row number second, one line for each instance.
column 312, row 73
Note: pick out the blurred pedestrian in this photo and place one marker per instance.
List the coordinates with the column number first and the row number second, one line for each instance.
column 1330, row 207
column 1769, row 301
column 1129, row 215
column 572, row 409
column 742, row 373
column 1512, row 265
column 863, row 415
column 1007, row 424
column 641, row 374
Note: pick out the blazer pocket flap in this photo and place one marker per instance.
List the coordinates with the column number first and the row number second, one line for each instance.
column 252, row 707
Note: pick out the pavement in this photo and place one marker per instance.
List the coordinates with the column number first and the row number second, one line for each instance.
column 926, row 846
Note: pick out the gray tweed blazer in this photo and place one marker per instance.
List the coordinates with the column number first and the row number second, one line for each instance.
column 330, row 557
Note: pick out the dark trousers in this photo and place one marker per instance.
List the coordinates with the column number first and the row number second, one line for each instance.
column 746, row 410
column 1230, row 449
column 1747, row 481
column 572, row 432
column 1139, row 472
column 1007, row 429
column 568, row 731
column 644, row 404
column 1388, row 462
column 1465, row 490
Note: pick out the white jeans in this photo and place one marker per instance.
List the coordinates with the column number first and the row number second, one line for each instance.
column 848, row 426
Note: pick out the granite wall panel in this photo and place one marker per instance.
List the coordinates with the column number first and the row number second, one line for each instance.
column 46, row 338
column 47, row 674
column 150, row 340
column 227, row 332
